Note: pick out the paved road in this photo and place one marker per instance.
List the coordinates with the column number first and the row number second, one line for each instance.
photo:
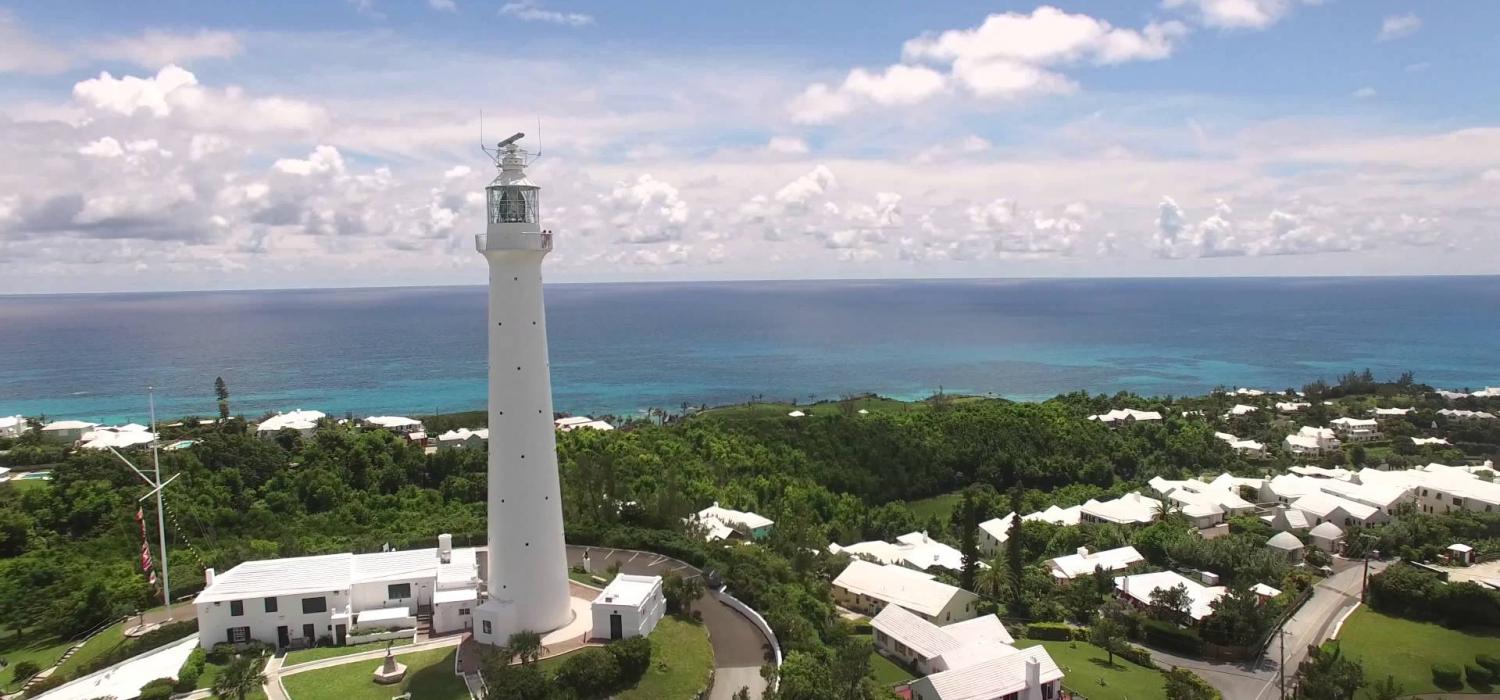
column 1259, row 679
column 739, row 647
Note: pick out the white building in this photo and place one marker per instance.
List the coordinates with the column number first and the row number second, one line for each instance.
column 1327, row 537
column 1287, row 545
column 297, row 601
column 400, row 425
column 1433, row 441
column 993, row 534
column 119, row 438
column 527, row 582
column 1084, row 562
column 13, row 426
column 1126, row 416
column 914, row 550
column 1071, row 515
column 66, row 431
column 1381, row 413
column 463, row 437
column 723, row 523
column 1462, row 415
column 1248, row 448
column 630, row 606
column 1141, row 589
column 1292, row 406
column 1240, row 409
column 1027, row 674
column 580, row 422
column 1356, row 429
column 909, row 639
column 1322, row 507
column 1132, row 508
column 867, row 588
column 1312, row 441
column 304, row 422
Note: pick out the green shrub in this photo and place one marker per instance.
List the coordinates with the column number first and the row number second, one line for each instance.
column 1051, row 631
column 1135, row 655
column 1477, row 675
column 1446, row 676
column 159, row 689
column 191, row 671
column 1172, row 638
column 633, row 657
column 25, row 669
column 1489, row 661
column 590, row 673
column 1182, row 683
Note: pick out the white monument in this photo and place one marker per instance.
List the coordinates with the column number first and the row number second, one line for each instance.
column 527, row 582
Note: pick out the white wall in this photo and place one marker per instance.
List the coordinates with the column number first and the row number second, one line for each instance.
column 372, row 596
column 452, row 617
column 635, row 621
column 214, row 619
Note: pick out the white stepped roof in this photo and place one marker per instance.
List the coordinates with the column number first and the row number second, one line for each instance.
column 393, row 421
column 329, row 573
column 913, row 590
column 1084, row 562
column 998, row 528
column 296, row 420
column 1327, row 531
column 1143, row 588
column 1284, row 541
column 68, row 425
column 1322, row 504
column 1056, row 515
column 925, row 638
column 734, row 518
column 993, row 678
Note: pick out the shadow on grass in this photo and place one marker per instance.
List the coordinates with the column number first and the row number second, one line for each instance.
column 434, row 681
column 1104, row 663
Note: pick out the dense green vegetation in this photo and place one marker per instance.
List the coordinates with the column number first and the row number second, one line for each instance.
column 68, row 553
column 1368, row 635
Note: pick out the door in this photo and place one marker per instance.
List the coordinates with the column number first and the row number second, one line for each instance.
column 616, row 626
column 309, row 633
column 338, row 635
column 283, row 637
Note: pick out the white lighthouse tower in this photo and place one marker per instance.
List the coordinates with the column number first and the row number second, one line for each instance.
column 527, row 582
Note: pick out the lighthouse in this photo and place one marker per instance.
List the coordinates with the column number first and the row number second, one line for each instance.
column 527, row 581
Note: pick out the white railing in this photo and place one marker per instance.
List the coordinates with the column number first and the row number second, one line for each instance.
column 753, row 617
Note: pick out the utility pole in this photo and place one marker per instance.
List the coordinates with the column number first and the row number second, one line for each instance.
column 157, row 485
column 1281, row 667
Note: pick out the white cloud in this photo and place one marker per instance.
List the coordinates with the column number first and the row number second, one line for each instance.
column 175, row 90
column 155, row 48
column 1008, row 56
column 443, row 5
column 1237, row 14
column 1364, row 92
column 646, row 210
column 22, row 53
column 784, row 145
column 323, row 159
column 530, row 11
column 1398, row 26
column 105, row 147
column 1176, row 237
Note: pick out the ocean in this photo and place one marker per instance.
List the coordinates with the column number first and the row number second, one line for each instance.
column 621, row 348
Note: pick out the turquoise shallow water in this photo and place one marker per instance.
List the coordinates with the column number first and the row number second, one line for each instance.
column 619, row 348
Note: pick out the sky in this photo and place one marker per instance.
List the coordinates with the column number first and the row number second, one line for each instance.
column 184, row 145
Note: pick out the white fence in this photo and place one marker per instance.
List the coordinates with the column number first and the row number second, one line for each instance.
column 754, row 617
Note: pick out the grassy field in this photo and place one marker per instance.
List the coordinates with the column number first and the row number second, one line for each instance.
column 429, row 676
column 941, row 506
column 1367, row 636
column 37, row 646
column 315, row 653
column 97, row 646
column 885, row 671
column 585, row 579
column 1086, row 670
column 681, row 662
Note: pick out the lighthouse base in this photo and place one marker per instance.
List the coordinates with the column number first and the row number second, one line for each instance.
column 495, row 621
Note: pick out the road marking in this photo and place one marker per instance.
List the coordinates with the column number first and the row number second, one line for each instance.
column 632, row 557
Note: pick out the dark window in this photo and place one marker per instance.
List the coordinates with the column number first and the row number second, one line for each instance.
column 236, row 608
column 463, row 611
column 270, row 605
column 486, row 625
column 314, row 605
column 239, row 635
column 398, row 590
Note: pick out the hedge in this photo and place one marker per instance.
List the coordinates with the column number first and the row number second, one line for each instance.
column 161, row 636
column 1490, row 662
column 1446, row 676
column 1051, row 631
column 1172, row 638
column 192, row 669
column 1135, row 655
column 159, row 689
column 1477, row 675
column 1184, row 683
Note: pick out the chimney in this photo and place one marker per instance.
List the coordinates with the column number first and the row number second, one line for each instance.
column 1033, row 674
column 208, row 577
column 1083, row 552
column 445, row 548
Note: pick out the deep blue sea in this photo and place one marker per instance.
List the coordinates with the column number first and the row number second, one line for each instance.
column 619, row 348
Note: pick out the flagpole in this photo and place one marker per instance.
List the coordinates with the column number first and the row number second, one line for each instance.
column 161, row 521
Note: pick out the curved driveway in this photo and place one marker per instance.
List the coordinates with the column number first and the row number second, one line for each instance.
column 739, row 647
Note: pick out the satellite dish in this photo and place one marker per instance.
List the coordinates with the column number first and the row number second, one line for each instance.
column 511, row 140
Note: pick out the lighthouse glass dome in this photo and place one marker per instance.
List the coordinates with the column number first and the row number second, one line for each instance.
column 512, row 204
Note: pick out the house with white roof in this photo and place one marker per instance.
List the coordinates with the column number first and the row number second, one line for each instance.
column 1248, row 448
column 1132, row 508
column 1465, row 416
column 1432, row 442
column 1452, row 395
column 297, row 601
column 1287, row 545
column 1241, row 409
column 1026, row 674
column 1385, row 497
column 738, row 523
column 1246, row 391
column 993, row 533
column 1312, row 441
column 1084, row 562
column 1322, row 507
column 571, row 423
column 630, row 606
column 463, row 437
column 13, row 426
column 1141, row 589
column 119, row 438
column 1327, row 537
column 1285, row 488
column 1286, row 519
column 912, row 640
column 401, row 425
column 867, row 588
column 304, row 422
column 1384, row 413
column 1126, row 416
column 1071, row 515
column 66, row 431
column 1292, row 406
column 914, row 550
column 1356, row 429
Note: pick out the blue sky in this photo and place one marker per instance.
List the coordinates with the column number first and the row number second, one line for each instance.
column 178, row 145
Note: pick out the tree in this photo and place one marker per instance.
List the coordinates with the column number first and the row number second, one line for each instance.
column 1236, row 619
column 590, row 673
column 968, row 537
column 1183, row 684
column 804, row 677
column 1108, row 634
column 633, row 656
column 1327, row 675
column 525, row 645
column 1171, row 604
column 240, row 678
column 851, row 664
column 1015, row 562
column 1081, row 599
column 681, row 593
column 528, row 682
column 221, row 390
column 1387, row 689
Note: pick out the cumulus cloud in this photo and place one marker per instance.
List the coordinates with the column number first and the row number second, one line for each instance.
column 1398, row 26
column 646, row 210
column 1236, row 14
column 1294, row 228
column 1008, row 56
column 1015, row 230
column 530, row 11
column 175, row 91
column 20, row 52
column 1176, row 237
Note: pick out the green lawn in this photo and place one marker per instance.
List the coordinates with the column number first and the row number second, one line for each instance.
column 940, row 506
column 429, row 676
column 885, row 671
column 681, row 662
column 1086, row 670
column 1368, row 635
column 95, row 647
column 585, row 579
column 304, row 655
column 37, row 646
column 211, row 671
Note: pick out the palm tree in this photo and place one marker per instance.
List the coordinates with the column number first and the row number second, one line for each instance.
column 993, row 583
column 525, row 645
column 242, row 677
column 1167, row 509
